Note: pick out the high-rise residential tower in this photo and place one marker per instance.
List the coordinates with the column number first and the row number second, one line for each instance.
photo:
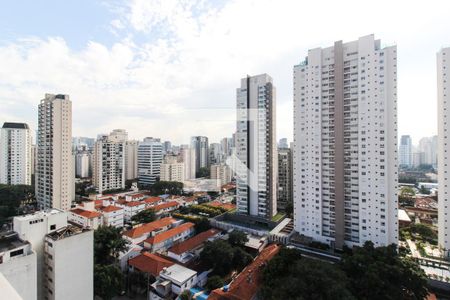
column 443, row 79
column 15, row 154
column 405, row 151
column 284, row 178
column 256, row 147
column 109, row 162
column 345, row 144
column 131, row 150
column 199, row 153
column 150, row 156
column 55, row 175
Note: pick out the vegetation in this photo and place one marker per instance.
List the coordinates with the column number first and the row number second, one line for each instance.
column 424, row 190
column 419, row 232
column 203, row 172
column 201, row 223
column 83, row 189
column 185, row 295
column 237, row 238
column 144, row 216
column 167, row 187
column 223, row 258
column 367, row 273
column 289, row 276
column 289, row 209
column 108, row 281
column 206, row 210
column 108, row 243
column 406, row 196
column 214, row 282
column 13, row 198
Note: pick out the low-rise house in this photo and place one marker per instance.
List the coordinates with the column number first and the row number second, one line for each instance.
column 152, row 201
column 125, row 256
column 190, row 248
column 167, row 239
column 149, row 263
column 139, row 233
column 246, row 285
column 132, row 208
column 113, row 216
column 166, row 207
column 173, row 280
column 85, row 218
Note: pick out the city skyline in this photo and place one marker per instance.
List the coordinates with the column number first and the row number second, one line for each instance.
column 131, row 59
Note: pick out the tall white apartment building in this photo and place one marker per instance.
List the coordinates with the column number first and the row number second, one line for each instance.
column 82, row 164
column 33, row 228
column 428, row 145
column 221, row 173
column 172, row 169
column 69, row 264
column 443, row 79
column 189, row 169
column 215, row 153
column 33, row 159
column 109, row 163
column 150, row 156
column 256, row 147
column 405, row 151
column 131, row 162
column 345, row 144
column 55, row 175
column 15, row 154
column 18, row 265
column 199, row 153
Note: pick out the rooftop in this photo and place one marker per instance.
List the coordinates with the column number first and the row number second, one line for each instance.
column 150, row 263
column 165, row 205
column 149, row 227
column 86, row 213
column 110, row 208
column 133, row 203
column 169, row 233
column 40, row 214
column 65, row 232
column 193, row 242
column 11, row 125
column 150, row 200
column 177, row 273
column 247, row 283
column 10, row 240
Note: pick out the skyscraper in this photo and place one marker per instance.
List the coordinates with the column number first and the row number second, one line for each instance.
column 55, row 186
column 109, row 162
column 257, row 172
column 405, row 151
column 15, row 154
column 283, row 144
column 215, row 153
column 172, row 169
column 428, row 145
column 345, row 142
column 150, row 156
column 443, row 78
column 199, row 153
column 131, row 151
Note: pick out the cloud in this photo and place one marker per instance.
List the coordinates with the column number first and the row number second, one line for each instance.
column 174, row 64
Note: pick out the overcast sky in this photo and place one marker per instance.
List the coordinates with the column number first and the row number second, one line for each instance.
column 170, row 69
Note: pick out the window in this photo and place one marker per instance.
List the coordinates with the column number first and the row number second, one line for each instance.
column 16, row 252
column 53, row 227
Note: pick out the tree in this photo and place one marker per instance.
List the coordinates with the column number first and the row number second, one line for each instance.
column 289, row 276
column 167, row 187
column 213, row 283
column 108, row 281
column 108, row 243
column 240, row 258
column 218, row 255
column 185, row 295
column 237, row 238
column 289, row 209
column 13, row 198
column 203, row 172
column 202, row 224
column 144, row 216
column 424, row 190
column 381, row 273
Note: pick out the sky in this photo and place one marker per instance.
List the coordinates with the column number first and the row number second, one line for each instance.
column 170, row 69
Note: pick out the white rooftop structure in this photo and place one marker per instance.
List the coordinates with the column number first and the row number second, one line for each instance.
column 177, row 274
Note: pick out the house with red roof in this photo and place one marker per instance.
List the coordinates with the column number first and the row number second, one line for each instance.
column 166, row 207
column 139, row 233
column 85, row 218
column 167, row 239
column 152, row 201
column 112, row 215
column 149, row 263
column 190, row 248
column 131, row 208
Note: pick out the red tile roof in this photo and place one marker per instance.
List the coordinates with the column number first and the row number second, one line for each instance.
column 149, row 227
column 151, row 200
column 247, row 283
column 165, row 205
column 110, row 208
column 169, row 233
column 150, row 263
column 193, row 242
column 86, row 213
column 133, row 203
column 228, row 206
